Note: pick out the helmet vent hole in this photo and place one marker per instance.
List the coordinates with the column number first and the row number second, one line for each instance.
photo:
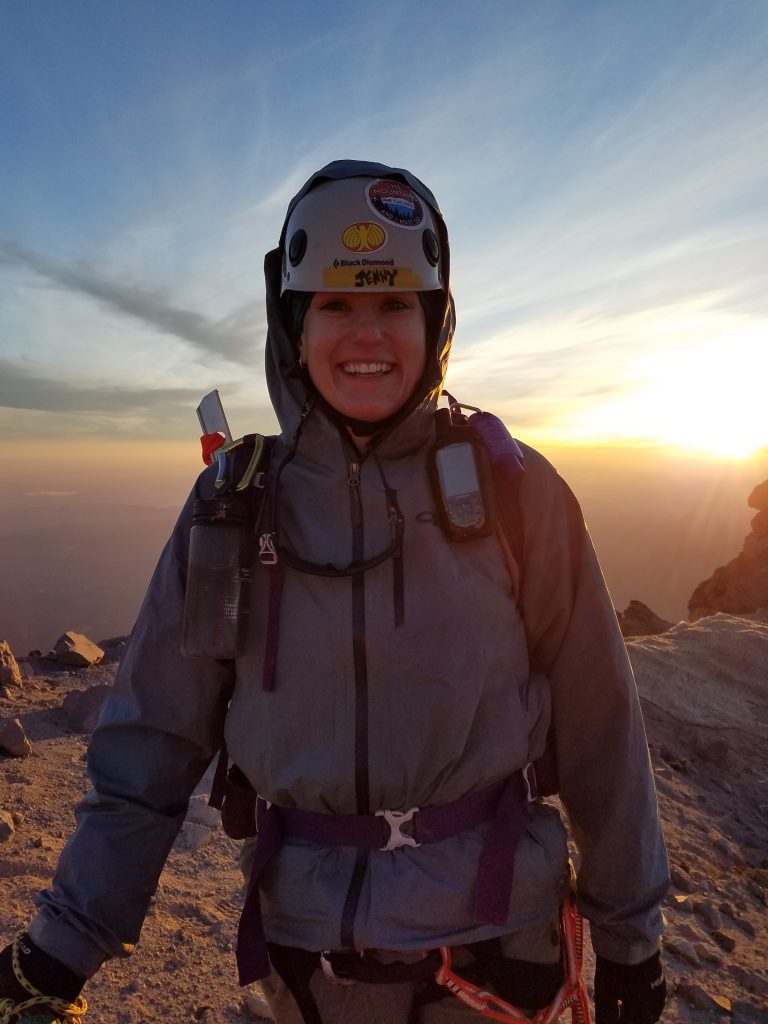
column 297, row 247
column 431, row 247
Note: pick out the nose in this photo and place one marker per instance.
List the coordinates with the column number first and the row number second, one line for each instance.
column 366, row 325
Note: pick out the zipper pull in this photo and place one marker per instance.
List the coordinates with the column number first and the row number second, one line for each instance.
column 354, row 474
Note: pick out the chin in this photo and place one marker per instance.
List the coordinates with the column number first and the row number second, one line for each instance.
column 369, row 415
column 367, row 411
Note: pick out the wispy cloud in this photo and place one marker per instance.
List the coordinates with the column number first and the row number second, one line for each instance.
column 32, row 401
column 232, row 338
column 22, row 387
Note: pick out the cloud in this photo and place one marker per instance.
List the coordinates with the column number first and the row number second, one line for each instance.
column 22, row 388
column 34, row 404
column 231, row 338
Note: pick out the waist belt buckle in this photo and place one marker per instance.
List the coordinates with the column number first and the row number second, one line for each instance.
column 395, row 819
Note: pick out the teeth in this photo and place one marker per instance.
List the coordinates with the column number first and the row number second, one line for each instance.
column 365, row 368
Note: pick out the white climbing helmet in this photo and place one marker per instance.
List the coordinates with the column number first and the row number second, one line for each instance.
column 361, row 234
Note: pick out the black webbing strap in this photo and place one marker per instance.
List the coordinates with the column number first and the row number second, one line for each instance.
column 295, row 967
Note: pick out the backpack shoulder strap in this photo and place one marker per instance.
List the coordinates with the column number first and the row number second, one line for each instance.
column 242, row 466
column 507, row 469
column 507, row 466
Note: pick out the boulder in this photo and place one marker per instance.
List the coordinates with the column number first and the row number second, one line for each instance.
column 201, row 813
column 257, row 1005
column 747, row 1013
column 77, row 650
column 637, row 619
column 741, row 586
column 701, row 998
column 13, row 740
column 7, row 827
column 83, row 707
column 113, row 648
column 10, row 673
column 682, row 948
column 192, row 837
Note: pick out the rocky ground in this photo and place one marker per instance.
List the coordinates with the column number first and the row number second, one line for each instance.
column 705, row 696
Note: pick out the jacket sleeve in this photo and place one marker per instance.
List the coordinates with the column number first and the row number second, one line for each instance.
column 158, row 731
column 605, row 776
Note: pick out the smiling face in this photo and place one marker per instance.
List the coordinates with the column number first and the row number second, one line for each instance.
column 366, row 352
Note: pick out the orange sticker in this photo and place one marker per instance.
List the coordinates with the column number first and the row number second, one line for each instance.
column 364, row 237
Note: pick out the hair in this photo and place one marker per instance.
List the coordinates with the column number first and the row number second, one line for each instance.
column 295, row 306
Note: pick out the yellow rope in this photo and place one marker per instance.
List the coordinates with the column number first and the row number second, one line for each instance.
column 69, row 1012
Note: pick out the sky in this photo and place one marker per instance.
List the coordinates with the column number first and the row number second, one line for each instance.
column 602, row 167
column 603, row 170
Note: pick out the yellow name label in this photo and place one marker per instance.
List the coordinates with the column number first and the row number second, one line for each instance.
column 397, row 278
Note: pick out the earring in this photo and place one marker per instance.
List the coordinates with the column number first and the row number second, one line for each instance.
column 302, row 364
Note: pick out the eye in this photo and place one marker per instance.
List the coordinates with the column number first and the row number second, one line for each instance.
column 333, row 305
column 395, row 303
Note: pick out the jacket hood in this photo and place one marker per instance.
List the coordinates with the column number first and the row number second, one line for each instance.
column 289, row 387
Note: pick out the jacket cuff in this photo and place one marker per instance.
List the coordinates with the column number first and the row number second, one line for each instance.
column 68, row 945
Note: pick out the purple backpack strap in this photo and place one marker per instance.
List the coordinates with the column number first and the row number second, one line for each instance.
column 495, row 874
column 251, row 953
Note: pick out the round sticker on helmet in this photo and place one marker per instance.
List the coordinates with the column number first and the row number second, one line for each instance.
column 398, row 204
column 364, row 237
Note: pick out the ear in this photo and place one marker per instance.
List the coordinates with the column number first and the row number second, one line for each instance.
column 302, row 351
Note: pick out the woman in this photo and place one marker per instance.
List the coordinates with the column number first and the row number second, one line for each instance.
column 391, row 683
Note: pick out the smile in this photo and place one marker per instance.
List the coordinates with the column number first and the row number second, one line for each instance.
column 366, row 369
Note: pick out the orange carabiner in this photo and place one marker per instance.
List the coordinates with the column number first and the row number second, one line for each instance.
column 572, row 994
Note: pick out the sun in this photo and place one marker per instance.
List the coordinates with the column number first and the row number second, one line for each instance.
column 711, row 396
column 708, row 396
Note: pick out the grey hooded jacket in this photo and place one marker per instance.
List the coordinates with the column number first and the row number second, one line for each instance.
column 369, row 714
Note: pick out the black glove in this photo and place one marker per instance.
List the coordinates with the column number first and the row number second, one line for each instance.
column 639, row 988
column 48, row 976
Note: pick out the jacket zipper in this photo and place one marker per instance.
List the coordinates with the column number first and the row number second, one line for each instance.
column 360, row 661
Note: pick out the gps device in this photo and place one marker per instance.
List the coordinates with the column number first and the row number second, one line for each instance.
column 461, row 480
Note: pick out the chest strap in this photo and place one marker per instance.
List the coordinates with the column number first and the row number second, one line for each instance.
column 504, row 804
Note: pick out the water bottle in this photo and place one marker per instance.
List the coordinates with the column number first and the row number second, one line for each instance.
column 218, row 577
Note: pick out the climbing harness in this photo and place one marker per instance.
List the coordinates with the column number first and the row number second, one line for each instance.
column 572, row 994
column 431, row 972
column 69, row 1013
column 503, row 804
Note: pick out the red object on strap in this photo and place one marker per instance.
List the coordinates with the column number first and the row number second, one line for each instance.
column 211, row 443
column 572, row 994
